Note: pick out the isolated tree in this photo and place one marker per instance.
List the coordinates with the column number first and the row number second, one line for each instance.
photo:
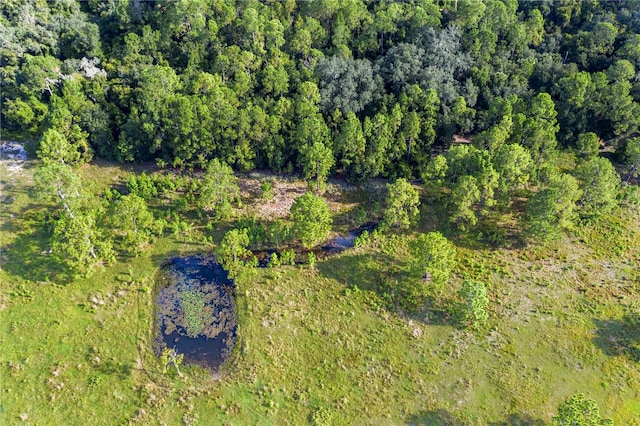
column 434, row 257
column 475, row 302
column 233, row 250
column 171, row 358
column 79, row 244
column 219, row 189
column 464, row 196
column 579, row 410
column 317, row 161
column 552, row 209
column 311, row 219
column 402, row 205
column 600, row 184
column 133, row 220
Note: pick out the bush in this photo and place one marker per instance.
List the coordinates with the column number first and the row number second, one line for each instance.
column 256, row 230
column 274, row 260
column 311, row 259
column 266, row 190
column 288, row 257
column 475, row 303
column 143, row 186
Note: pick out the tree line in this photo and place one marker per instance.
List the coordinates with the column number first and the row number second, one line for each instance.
column 358, row 87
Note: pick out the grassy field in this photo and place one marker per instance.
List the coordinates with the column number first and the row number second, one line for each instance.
column 319, row 345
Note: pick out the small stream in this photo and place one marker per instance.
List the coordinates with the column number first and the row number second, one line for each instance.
column 342, row 242
column 337, row 244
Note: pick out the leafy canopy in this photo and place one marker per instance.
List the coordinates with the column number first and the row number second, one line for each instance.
column 311, row 219
column 402, row 205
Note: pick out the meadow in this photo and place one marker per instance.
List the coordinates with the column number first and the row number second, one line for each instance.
column 322, row 344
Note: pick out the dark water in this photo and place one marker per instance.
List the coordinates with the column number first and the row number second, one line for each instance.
column 195, row 306
column 334, row 246
column 343, row 242
column 195, row 311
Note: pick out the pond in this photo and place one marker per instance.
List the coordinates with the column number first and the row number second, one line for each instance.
column 195, row 311
column 195, row 304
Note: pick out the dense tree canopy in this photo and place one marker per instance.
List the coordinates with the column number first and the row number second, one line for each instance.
column 482, row 100
column 256, row 84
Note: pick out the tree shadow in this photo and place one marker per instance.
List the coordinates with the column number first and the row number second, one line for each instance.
column 435, row 418
column 122, row 370
column 163, row 258
column 387, row 277
column 29, row 256
column 619, row 336
column 491, row 232
column 444, row 418
column 367, row 271
column 519, row 420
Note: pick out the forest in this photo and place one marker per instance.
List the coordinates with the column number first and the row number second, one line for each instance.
column 446, row 192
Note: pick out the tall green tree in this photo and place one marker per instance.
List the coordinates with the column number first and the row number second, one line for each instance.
column 553, row 208
column 79, row 244
column 402, row 205
column 311, row 219
column 134, row 222
column 465, row 195
column 317, row 161
column 233, row 250
column 600, row 185
column 588, row 145
column 540, row 127
column 219, row 189
column 632, row 157
column 379, row 133
column 434, row 257
column 57, row 182
column 54, row 147
column 351, row 145
column 514, row 166
column 435, row 173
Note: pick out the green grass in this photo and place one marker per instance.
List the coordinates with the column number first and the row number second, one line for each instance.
column 312, row 347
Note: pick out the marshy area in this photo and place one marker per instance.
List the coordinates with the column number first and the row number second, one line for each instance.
column 195, row 310
column 195, row 307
